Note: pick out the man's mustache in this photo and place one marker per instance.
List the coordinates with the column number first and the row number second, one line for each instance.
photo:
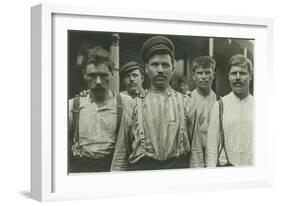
column 160, row 76
column 98, row 88
column 237, row 82
column 132, row 84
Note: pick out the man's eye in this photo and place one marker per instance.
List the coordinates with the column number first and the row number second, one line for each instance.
column 92, row 76
column 103, row 75
column 154, row 64
column 166, row 65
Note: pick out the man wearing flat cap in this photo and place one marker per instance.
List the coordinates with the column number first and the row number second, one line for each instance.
column 132, row 78
column 163, row 122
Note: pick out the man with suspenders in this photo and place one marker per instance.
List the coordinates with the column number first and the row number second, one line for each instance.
column 94, row 120
column 163, row 123
column 230, row 133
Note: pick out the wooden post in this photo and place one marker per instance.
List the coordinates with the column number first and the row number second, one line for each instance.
column 115, row 56
column 211, row 47
column 245, row 51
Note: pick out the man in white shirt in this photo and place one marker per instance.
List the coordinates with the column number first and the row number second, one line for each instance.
column 237, row 117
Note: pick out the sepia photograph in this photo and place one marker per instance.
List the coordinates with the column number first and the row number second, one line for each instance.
column 135, row 103
column 140, row 101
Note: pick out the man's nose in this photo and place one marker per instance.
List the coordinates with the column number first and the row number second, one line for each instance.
column 203, row 75
column 238, row 75
column 98, row 81
column 160, row 69
column 132, row 78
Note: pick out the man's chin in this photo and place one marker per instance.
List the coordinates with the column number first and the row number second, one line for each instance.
column 160, row 85
column 99, row 92
column 204, row 86
column 132, row 90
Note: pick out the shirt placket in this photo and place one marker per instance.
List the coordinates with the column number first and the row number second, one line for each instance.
column 99, row 116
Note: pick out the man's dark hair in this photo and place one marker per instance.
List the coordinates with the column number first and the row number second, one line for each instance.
column 182, row 80
column 98, row 56
column 240, row 60
column 204, row 62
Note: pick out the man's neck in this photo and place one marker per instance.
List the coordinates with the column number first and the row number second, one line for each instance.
column 204, row 93
column 242, row 96
column 159, row 89
column 101, row 99
column 133, row 93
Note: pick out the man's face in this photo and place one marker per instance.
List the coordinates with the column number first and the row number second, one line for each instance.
column 203, row 78
column 239, row 79
column 160, row 70
column 183, row 87
column 98, row 78
column 133, row 81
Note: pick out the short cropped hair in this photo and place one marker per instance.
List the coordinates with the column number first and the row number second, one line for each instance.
column 240, row 60
column 98, row 56
column 204, row 62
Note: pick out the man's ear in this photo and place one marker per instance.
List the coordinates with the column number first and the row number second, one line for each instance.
column 174, row 65
column 142, row 78
column 145, row 66
column 252, row 75
column 84, row 73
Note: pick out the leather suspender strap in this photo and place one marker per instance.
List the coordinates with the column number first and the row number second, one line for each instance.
column 76, row 112
column 119, row 112
column 180, row 101
column 181, row 114
column 140, row 119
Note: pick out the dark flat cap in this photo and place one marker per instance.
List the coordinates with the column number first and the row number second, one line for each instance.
column 129, row 66
column 156, row 43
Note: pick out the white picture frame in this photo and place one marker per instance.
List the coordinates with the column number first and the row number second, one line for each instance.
column 50, row 182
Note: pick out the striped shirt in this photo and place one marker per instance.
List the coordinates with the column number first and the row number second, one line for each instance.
column 160, row 128
column 203, row 106
column 97, row 125
column 238, row 131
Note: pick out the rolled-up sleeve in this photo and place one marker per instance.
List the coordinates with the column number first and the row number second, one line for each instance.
column 120, row 159
column 193, row 128
column 197, row 154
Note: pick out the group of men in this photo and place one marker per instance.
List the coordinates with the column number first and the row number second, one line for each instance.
column 159, row 128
